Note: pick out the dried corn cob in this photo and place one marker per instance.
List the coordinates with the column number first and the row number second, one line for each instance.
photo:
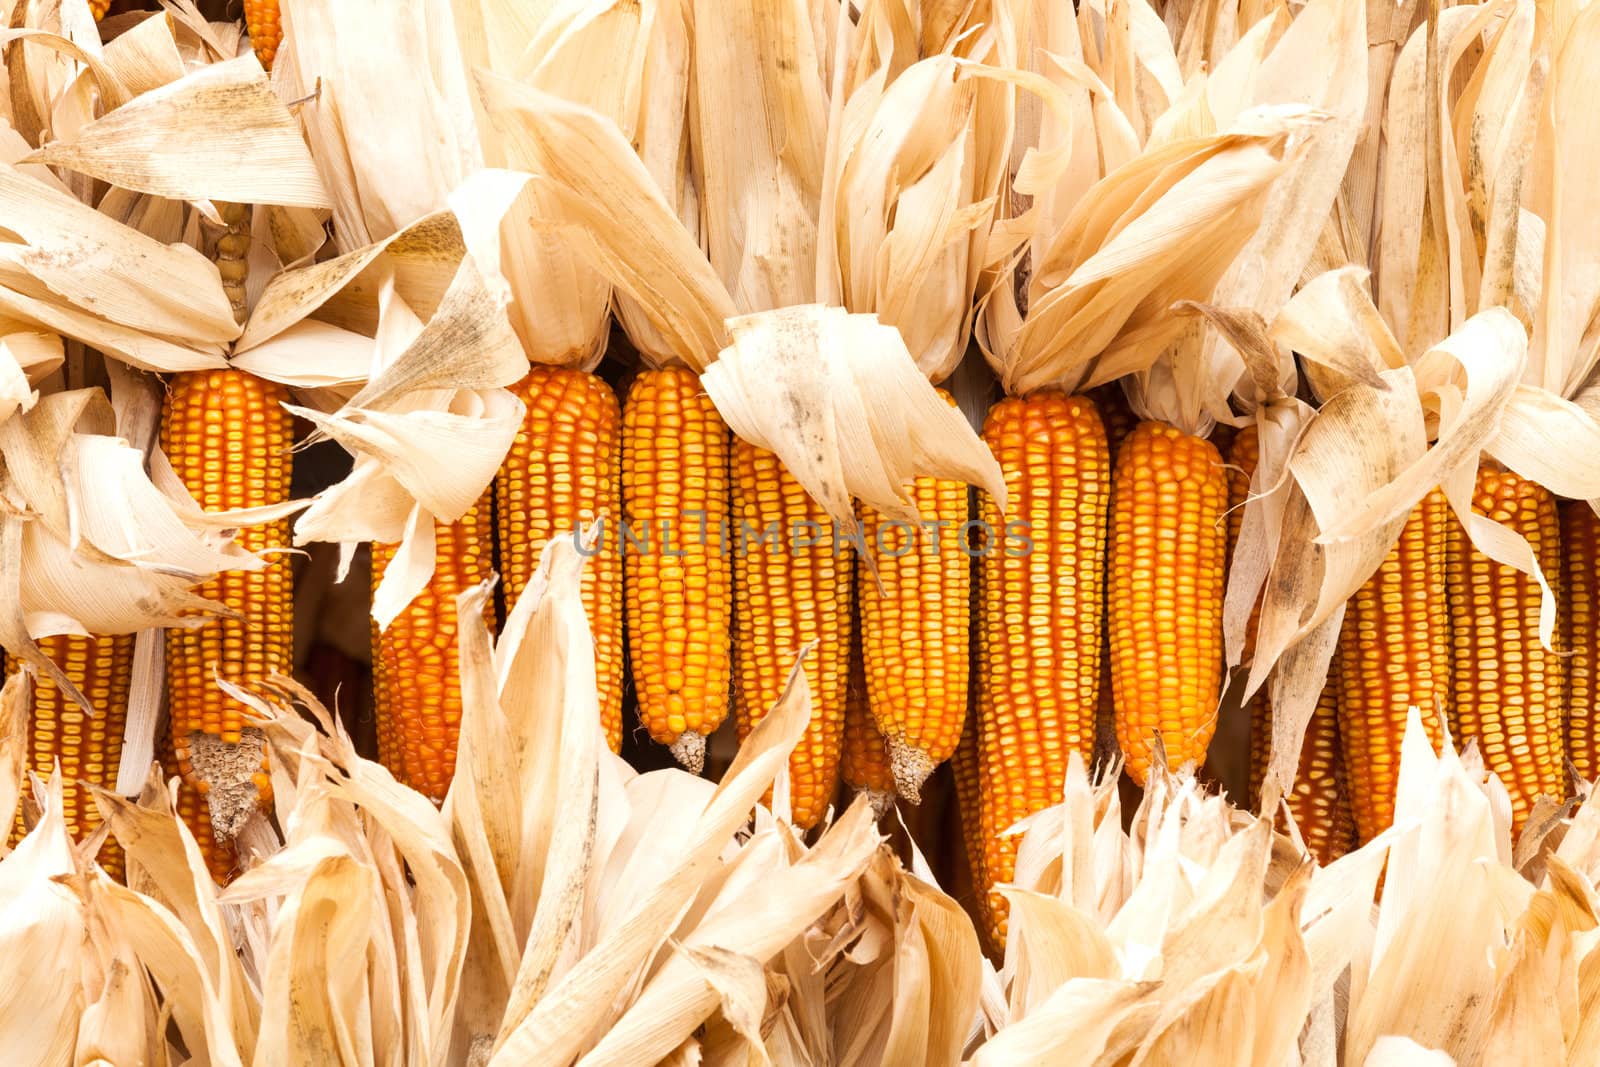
column 974, row 835
column 1167, row 545
column 88, row 748
column 263, row 19
column 1508, row 689
column 1319, row 802
column 562, row 471
column 865, row 762
column 914, row 628
column 220, row 858
column 1580, row 538
column 678, row 573
column 791, row 585
column 1119, row 420
column 1040, row 631
column 99, row 8
column 416, row 674
column 228, row 437
column 1395, row 652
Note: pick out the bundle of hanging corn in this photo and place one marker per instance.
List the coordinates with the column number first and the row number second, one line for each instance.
column 743, row 406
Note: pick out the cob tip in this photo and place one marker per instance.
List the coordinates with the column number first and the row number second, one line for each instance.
column 690, row 751
column 235, row 782
column 910, row 766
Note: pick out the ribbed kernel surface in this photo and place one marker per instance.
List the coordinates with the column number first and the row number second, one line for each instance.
column 970, row 809
column 678, row 576
column 1508, row 690
column 1042, row 611
column 228, row 438
column 89, row 747
column 865, row 761
column 785, row 594
column 261, row 18
column 416, row 670
column 563, row 471
column 1580, row 541
column 914, row 632
column 1395, row 652
column 1167, row 543
column 1320, row 802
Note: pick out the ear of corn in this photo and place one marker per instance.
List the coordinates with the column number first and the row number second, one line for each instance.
column 970, row 810
column 679, row 575
column 87, row 747
column 563, row 472
column 1167, row 545
column 791, row 585
column 228, row 438
column 1395, row 654
column 1580, row 542
column 220, row 858
column 1320, row 801
column 99, row 8
column 1508, row 689
column 264, row 21
column 416, row 672
column 865, row 762
column 1042, row 603
column 1119, row 421
column 914, row 629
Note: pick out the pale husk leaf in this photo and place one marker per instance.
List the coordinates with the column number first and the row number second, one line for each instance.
column 112, row 271
column 1565, row 348
column 40, row 925
column 611, row 205
column 582, row 1003
column 758, row 114
column 840, row 401
column 676, row 999
column 218, row 134
column 591, row 54
column 390, row 119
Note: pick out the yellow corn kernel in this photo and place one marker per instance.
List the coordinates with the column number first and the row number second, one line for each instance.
column 791, row 584
column 263, row 20
column 914, row 629
column 87, row 747
column 1580, row 538
column 1319, row 802
column 975, row 833
column 1395, row 653
column 1508, row 689
column 866, row 756
column 1042, row 574
column 563, row 472
column 416, row 672
column 1167, row 544
column 228, row 439
column 678, row 576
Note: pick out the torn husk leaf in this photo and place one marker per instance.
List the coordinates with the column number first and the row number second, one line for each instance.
column 832, row 394
column 220, row 133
